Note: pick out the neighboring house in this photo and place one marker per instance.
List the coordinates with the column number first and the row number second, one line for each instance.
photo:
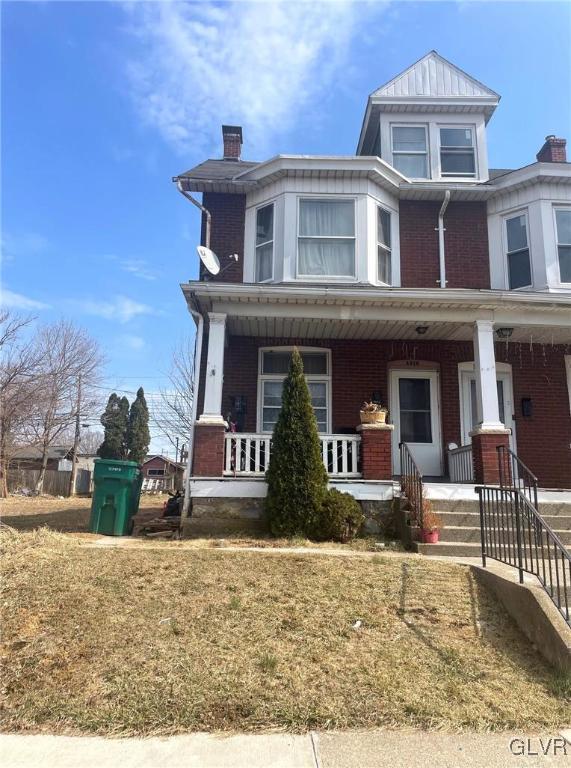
column 409, row 273
column 160, row 473
column 31, row 458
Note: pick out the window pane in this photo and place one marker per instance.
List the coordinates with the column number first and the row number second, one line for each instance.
column 314, row 362
column 413, row 166
column 474, row 403
column 384, row 265
column 409, row 139
column 318, row 392
column 563, row 227
column 278, row 362
column 517, row 233
column 501, row 404
column 415, row 427
column 565, row 263
column 519, row 269
column 384, row 227
column 265, row 224
column 414, row 394
column 458, row 162
column 327, row 218
column 327, row 257
column 273, row 393
column 264, row 262
column 455, row 137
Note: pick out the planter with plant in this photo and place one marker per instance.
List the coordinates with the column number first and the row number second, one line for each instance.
column 373, row 413
column 431, row 524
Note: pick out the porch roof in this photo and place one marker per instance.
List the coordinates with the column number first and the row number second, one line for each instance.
column 318, row 311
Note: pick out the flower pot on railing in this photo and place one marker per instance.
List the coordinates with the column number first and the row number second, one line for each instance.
column 373, row 413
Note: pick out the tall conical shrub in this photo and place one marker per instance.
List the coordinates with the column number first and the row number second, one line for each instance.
column 114, row 419
column 138, row 435
column 297, row 481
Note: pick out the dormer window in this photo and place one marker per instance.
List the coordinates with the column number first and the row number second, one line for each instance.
column 326, row 241
column 457, row 156
column 563, row 221
column 384, row 246
column 410, row 150
column 519, row 266
column 264, row 243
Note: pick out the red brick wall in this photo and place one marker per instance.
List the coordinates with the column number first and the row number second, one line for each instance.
column 466, row 245
column 227, row 233
column 361, row 368
column 208, row 458
column 376, row 454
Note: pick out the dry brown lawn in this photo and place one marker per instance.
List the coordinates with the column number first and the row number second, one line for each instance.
column 166, row 640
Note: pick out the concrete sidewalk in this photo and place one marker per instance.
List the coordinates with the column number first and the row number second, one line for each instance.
column 353, row 749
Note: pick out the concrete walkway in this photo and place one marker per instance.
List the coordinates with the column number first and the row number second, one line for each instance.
column 366, row 749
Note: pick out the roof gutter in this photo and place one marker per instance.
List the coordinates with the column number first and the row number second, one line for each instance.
column 204, row 210
column 441, row 230
column 199, row 320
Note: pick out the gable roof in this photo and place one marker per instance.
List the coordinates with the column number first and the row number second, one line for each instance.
column 434, row 76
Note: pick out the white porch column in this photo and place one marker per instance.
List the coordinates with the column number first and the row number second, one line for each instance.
column 485, row 370
column 212, row 410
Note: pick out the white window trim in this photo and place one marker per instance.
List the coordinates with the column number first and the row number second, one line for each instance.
column 426, row 153
column 259, row 245
column 278, row 377
column 386, row 248
column 557, row 243
column 327, row 278
column 514, row 215
column 467, row 126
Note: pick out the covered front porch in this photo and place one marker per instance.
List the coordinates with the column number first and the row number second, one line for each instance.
column 460, row 371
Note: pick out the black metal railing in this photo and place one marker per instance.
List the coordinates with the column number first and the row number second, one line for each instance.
column 515, row 474
column 460, row 464
column 513, row 532
column 411, row 483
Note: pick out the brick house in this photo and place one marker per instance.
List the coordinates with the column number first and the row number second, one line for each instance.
column 161, row 473
column 409, row 273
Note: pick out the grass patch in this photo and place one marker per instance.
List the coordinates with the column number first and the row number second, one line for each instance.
column 158, row 641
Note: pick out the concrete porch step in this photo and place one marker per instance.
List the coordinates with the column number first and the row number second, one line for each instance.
column 472, row 519
column 449, row 549
column 470, row 534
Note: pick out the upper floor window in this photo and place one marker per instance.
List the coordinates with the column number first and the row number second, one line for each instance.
column 384, row 246
column 264, row 243
column 457, row 156
column 519, row 267
column 274, row 365
column 563, row 221
column 410, row 150
column 326, row 238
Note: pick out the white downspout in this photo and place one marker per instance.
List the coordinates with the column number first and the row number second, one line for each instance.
column 195, row 385
column 441, row 231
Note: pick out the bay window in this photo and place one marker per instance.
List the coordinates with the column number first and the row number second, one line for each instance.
column 326, row 238
column 274, row 365
column 383, row 246
column 563, row 225
column 457, row 156
column 519, row 267
column 264, row 243
column 410, row 150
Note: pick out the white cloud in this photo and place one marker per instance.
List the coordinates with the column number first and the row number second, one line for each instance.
column 253, row 63
column 120, row 308
column 138, row 268
column 131, row 341
column 18, row 301
column 23, row 244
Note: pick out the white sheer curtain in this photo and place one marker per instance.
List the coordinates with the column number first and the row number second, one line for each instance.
column 327, row 238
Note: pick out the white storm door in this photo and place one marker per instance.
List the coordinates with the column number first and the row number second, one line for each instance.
column 415, row 411
column 469, row 405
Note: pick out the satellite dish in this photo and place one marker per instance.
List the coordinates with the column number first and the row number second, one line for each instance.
column 209, row 259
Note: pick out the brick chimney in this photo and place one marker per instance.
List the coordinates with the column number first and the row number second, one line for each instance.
column 553, row 151
column 232, row 137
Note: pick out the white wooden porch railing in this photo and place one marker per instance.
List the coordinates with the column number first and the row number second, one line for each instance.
column 460, row 467
column 248, row 454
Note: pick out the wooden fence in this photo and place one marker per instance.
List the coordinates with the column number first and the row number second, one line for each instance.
column 56, row 483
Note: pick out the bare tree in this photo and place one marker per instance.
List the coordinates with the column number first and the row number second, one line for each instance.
column 172, row 414
column 19, row 373
column 90, row 441
column 69, row 358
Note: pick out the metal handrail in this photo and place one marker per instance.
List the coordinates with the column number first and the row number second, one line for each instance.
column 515, row 474
column 411, row 482
column 513, row 532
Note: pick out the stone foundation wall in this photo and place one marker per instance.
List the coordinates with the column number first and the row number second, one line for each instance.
column 224, row 516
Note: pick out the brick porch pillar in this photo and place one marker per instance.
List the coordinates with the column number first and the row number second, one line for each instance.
column 485, row 454
column 376, row 453
column 208, row 458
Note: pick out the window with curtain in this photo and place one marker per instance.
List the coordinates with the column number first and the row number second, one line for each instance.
column 264, row 243
column 410, row 150
column 273, row 370
column 384, row 245
column 457, row 157
column 326, row 238
column 563, row 220
column 519, row 267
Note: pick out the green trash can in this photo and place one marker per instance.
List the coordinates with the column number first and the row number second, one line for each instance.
column 116, row 493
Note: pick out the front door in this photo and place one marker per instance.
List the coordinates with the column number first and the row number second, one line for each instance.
column 415, row 412
column 469, row 403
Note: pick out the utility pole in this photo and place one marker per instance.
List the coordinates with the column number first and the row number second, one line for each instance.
column 176, row 453
column 73, row 475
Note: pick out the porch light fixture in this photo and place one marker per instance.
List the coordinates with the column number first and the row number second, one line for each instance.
column 504, row 333
column 421, row 329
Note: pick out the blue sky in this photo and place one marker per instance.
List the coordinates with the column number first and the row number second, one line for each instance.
column 103, row 102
